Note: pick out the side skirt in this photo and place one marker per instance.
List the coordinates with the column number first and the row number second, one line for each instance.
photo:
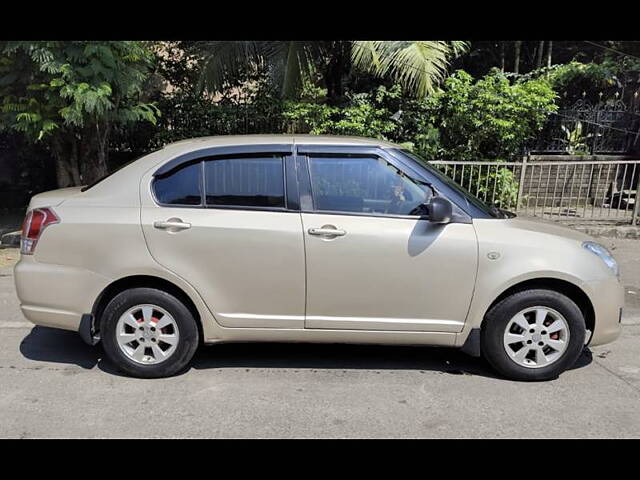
column 444, row 339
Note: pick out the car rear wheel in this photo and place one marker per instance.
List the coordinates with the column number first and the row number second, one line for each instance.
column 533, row 335
column 148, row 333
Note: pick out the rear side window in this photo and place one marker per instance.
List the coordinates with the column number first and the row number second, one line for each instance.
column 245, row 182
column 180, row 187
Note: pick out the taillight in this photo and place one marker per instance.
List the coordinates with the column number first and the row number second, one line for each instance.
column 34, row 224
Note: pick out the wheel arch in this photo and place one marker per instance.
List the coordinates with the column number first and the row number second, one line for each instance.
column 144, row 281
column 570, row 290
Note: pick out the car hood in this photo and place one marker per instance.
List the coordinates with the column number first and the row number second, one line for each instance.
column 547, row 227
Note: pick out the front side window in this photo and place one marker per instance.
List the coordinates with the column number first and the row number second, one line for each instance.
column 468, row 197
column 245, row 182
column 182, row 186
column 364, row 185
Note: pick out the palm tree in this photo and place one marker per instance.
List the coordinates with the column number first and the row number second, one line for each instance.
column 419, row 66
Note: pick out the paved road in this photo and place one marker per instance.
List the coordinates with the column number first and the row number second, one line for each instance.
column 52, row 385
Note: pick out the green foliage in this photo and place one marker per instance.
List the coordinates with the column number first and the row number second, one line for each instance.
column 506, row 187
column 72, row 95
column 73, row 84
column 575, row 141
column 592, row 81
column 419, row 66
column 490, row 118
column 497, row 186
column 80, row 99
column 364, row 115
column 577, row 80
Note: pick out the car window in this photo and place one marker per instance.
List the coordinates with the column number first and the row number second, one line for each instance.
column 245, row 182
column 467, row 196
column 363, row 185
column 182, row 186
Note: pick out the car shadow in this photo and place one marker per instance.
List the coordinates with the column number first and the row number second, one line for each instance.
column 349, row 357
column 45, row 344
column 319, row 356
column 60, row 346
column 423, row 235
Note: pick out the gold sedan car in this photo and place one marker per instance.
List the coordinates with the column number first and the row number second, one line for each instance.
column 308, row 239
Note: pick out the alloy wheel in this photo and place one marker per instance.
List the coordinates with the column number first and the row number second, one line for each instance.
column 536, row 337
column 147, row 334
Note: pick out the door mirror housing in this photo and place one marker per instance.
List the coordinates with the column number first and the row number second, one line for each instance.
column 439, row 210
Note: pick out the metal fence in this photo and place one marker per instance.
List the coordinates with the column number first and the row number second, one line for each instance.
column 604, row 191
column 605, row 127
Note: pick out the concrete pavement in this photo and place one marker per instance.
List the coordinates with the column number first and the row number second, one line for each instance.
column 53, row 385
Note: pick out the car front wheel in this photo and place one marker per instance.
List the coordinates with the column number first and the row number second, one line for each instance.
column 148, row 333
column 533, row 335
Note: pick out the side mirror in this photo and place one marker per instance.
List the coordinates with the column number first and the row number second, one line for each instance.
column 440, row 210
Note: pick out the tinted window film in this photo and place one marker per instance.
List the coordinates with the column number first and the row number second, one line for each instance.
column 363, row 185
column 245, row 182
column 180, row 187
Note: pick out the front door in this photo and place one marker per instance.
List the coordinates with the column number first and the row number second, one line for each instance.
column 223, row 224
column 372, row 262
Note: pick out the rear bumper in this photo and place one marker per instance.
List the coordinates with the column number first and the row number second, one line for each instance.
column 56, row 295
column 49, row 317
column 607, row 297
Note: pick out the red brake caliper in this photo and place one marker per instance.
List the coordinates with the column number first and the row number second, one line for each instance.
column 155, row 322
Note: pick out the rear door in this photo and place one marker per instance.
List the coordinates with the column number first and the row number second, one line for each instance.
column 224, row 223
column 372, row 262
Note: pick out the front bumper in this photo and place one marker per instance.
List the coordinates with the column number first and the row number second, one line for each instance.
column 607, row 298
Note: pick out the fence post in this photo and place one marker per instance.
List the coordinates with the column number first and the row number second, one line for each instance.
column 523, row 170
column 634, row 215
column 594, row 143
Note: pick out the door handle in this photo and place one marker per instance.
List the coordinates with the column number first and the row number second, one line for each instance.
column 172, row 225
column 328, row 231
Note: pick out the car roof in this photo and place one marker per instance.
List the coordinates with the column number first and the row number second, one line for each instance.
column 119, row 186
column 228, row 140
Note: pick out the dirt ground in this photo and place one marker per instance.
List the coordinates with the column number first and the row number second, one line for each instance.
column 8, row 257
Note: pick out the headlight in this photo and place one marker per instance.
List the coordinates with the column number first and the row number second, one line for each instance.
column 604, row 254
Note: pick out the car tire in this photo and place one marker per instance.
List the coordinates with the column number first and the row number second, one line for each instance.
column 504, row 333
column 177, row 340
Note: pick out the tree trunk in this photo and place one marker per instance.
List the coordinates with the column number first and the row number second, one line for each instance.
column 502, row 56
column 63, row 176
column 549, row 49
column 93, row 153
column 336, row 69
column 102, row 139
column 540, row 49
column 67, row 172
column 81, row 157
column 516, row 61
column 74, row 160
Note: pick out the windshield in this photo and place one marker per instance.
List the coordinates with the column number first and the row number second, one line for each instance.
column 469, row 197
